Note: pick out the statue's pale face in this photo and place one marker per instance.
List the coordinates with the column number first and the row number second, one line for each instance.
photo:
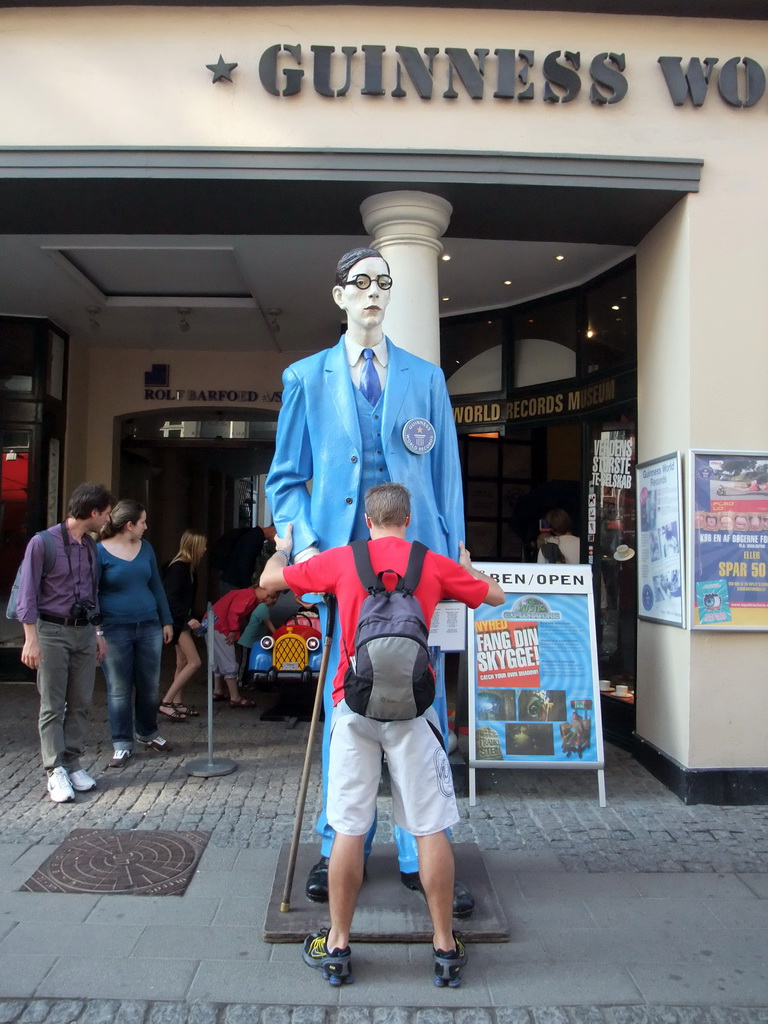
column 365, row 307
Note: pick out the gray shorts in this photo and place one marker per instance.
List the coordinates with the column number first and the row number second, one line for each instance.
column 423, row 801
column 224, row 660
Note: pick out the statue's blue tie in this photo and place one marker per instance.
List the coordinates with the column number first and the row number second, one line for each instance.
column 370, row 385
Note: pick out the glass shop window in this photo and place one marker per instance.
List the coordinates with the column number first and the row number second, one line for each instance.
column 17, row 343
column 14, row 503
column 612, row 541
column 471, row 354
column 546, row 337
column 610, row 336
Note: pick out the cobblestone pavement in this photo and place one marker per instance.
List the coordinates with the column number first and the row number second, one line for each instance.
column 105, row 1011
column 643, row 828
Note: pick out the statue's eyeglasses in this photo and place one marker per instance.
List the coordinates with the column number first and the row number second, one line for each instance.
column 363, row 281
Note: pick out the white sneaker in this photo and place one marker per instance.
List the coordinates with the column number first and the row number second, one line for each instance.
column 81, row 781
column 119, row 758
column 60, row 787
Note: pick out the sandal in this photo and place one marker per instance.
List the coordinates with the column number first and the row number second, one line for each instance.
column 174, row 712
column 188, row 712
column 242, row 703
column 221, row 696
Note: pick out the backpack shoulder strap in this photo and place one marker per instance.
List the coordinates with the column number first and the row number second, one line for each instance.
column 415, row 565
column 49, row 555
column 554, row 553
column 363, row 565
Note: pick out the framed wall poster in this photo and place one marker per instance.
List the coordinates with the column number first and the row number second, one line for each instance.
column 728, row 547
column 534, row 697
column 660, row 578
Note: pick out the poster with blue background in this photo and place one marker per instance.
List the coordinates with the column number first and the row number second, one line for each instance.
column 534, row 697
column 729, row 540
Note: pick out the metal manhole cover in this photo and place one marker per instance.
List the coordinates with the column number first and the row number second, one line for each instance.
column 121, row 862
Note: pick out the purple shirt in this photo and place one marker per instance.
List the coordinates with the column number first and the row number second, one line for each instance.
column 60, row 589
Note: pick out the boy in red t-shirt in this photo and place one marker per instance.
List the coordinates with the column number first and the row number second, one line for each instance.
column 414, row 748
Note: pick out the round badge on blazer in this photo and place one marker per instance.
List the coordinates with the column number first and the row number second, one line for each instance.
column 419, row 436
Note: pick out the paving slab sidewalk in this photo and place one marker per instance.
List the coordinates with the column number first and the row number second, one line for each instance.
column 642, row 911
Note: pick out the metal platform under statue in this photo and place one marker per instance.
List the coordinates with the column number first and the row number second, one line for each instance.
column 386, row 911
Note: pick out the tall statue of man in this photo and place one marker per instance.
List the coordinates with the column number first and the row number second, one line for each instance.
column 362, row 413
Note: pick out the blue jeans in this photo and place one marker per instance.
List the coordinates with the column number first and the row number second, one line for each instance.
column 132, row 670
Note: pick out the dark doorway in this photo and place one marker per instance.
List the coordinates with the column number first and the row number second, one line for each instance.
column 201, row 474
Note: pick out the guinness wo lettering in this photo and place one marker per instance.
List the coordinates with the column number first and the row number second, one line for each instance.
column 503, row 73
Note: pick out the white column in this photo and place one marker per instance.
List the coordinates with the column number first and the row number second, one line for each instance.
column 406, row 229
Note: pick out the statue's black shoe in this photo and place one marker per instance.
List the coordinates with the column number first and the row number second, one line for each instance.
column 317, row 882
column 463, row 901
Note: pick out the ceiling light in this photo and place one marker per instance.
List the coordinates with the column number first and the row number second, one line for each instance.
column 446, row 298
column 614, row 307
column 445, row 257
column 184, row 324
column 93, row 323
column 559, row 257
column 507, row 282
column 272, row 314
column 590, row 334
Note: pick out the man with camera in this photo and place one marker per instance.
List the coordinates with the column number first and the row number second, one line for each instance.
column 58, row 605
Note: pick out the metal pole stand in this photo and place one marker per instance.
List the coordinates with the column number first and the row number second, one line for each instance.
column 285, row 904
column 210, row 768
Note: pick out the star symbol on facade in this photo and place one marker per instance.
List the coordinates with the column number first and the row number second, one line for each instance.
column 221, row 70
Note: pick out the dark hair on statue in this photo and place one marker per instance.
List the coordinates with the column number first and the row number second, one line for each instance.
column 87, row 497
column 349, row 259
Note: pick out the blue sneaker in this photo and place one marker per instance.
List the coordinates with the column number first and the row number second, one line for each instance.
column 336, row 965
column 448, row 965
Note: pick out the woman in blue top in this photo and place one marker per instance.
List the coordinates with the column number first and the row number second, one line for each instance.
column 137, row 622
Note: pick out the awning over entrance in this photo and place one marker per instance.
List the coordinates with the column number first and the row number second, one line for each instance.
column 193, row 191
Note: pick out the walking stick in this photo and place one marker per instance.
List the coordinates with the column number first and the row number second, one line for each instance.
column 285, row 905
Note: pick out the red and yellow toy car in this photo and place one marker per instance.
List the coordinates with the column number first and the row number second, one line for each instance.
column 290, row 654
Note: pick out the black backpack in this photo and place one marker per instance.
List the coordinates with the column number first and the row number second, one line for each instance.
column 389, row 676
column 49, row 560
column 552, row 552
